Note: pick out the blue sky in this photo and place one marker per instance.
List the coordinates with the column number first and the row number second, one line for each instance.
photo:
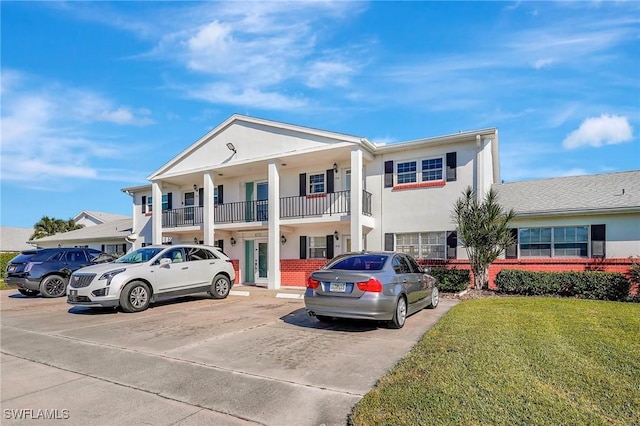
column 98, row 95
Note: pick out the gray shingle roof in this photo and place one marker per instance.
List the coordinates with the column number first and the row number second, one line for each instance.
column 14, row 239
column 117, row 229
column 592, row 193
column 102, row 216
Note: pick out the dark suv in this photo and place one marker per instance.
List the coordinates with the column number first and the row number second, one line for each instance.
column 47, row 270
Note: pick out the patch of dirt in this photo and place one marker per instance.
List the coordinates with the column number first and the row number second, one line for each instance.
column 471, row 294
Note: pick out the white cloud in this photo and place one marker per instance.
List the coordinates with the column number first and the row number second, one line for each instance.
column 48, row 131
column 598, row 131
column 249, row 97
column 543, row 63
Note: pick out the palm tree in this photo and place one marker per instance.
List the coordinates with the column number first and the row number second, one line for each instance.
column 483, row 230
column 50, row 226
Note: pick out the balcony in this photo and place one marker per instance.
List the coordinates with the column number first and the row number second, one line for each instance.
column 335, row 203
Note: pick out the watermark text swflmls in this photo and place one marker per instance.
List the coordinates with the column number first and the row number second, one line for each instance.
column 35, row 414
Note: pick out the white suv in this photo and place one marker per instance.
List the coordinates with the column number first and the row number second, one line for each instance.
column 150, row 273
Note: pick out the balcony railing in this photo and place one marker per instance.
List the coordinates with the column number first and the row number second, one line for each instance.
column 258, row 211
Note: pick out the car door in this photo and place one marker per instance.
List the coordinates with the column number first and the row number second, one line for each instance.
column 409, row 280
column 422, row 286
column 172, row 276
column 203, row 265
column 75, row 259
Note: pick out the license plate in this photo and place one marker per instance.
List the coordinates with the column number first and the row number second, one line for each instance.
column 338, row 287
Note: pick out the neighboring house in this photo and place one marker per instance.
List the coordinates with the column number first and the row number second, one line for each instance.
column 281, row 199
column 110, row 237
column 14, row 239
column 90, row 218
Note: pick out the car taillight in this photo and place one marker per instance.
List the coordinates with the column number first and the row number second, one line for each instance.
column 311, row 283
column 30, row 265
column 372, row 285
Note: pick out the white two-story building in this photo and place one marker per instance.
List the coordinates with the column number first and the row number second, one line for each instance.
column 281, row 199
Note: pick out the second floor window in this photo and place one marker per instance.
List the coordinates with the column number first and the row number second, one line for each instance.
column 432, row 169
column 165, row 202
column 149, row 204
column 407, row 172
column 316, row 183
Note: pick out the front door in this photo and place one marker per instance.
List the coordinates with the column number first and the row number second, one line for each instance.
column 261, row 261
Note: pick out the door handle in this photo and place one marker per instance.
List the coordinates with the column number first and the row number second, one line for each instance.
column 185, row 267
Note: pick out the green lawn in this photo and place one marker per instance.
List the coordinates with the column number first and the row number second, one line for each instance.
column 517, row 361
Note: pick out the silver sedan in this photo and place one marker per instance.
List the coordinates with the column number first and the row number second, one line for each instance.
column 384, row 286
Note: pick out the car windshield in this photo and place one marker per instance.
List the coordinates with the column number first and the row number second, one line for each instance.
column 364, row 262
column 141, row 255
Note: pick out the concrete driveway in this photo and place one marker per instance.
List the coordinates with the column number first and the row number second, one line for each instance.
column 253, row 358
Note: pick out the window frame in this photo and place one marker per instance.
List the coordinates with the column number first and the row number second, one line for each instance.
column 421, row 174
column 312, row 247
column 312, row 186
column 547, row 240
column 420, row 244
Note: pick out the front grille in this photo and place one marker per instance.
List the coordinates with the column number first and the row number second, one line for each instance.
column 81, row 280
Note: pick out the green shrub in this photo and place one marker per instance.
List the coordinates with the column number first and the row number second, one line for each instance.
column 584, row 285
column 4, row 261
column 451, row 280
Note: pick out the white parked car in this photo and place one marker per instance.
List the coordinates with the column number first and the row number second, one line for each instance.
column 147, row 274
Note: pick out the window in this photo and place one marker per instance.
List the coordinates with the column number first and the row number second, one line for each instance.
column 316, row 183
column 317, row 247
column 189, row 198
column 199, row 254
column 165, row 202
column 215, row 196
column 149, row 204
column 570, row 241
column 407, row 172
column 400, row 265
column 422, row 245
column 113, row 248
column 432, row 169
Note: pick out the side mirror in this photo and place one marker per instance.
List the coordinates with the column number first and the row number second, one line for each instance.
column 165, row 261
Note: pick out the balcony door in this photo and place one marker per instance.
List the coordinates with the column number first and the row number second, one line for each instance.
column 262, row 201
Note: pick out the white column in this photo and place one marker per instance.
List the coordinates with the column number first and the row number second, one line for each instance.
column 273, row 275
column 208, row 209
column 156, row 217
column 356, row 200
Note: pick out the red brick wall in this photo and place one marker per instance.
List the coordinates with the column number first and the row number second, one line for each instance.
column 294, row 272
column 236, row 267
column 543, row 265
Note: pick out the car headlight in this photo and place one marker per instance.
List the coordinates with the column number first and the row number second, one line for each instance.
column 109, row 275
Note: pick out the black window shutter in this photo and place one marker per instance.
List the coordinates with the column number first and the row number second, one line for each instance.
column 330, row 246
column 598, row 238
column 303, row 186
column 452, row 163
column 388, row 242
column 169, row 200
column 452, row 244
column 330, row 181
column 512, row 251
column 124, row 248
column 220, row 194
column 303, row 247
column 388, row 174
column 102, row 249
column 144, row 204
column 221, row 245
column 201, row 197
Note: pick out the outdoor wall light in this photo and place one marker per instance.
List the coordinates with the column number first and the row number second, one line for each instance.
column 335, row 167
column 233, row 241
column 231, row 147
column 283, row 239
column 195, row 240
column 335, row 235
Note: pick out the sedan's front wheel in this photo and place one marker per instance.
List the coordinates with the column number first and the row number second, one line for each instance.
column 221, row 287
column 400, row 314
column 135, row 297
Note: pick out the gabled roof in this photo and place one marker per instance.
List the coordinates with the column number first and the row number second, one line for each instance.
column 117, row 229
column 238, row 118
column 14, row 239
column 100, row 216
column 601, row 193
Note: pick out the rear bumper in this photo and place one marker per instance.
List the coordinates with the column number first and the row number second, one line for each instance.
column 21, row 282
column 372, row 306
